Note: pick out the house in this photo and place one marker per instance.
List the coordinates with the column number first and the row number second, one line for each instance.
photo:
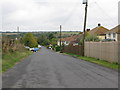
column 100, row 31
column 114, row 33
column 70, row 40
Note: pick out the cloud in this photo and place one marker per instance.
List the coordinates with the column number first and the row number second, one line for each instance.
column 49, row 14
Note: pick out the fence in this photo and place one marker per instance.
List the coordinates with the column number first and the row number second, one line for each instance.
column 108, row 51
column 73, row 49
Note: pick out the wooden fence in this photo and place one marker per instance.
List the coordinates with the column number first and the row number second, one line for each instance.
column 108, row 51
column 73, row 49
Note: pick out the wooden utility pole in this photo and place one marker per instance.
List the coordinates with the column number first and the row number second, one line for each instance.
column 60, row 38
column 85, row 19
column 17, row 29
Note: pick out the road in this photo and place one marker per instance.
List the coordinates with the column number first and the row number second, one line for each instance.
column 48, row 69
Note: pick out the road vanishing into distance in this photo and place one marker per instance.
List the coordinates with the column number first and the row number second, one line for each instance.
column 48, row 69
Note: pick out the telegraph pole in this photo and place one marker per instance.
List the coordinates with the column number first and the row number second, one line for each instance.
column 85, row 19
column 60, row 38
column 17, row 29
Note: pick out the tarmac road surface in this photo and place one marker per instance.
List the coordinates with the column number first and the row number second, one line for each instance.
column 48, row 69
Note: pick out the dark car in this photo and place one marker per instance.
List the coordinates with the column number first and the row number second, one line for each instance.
column 108, row 40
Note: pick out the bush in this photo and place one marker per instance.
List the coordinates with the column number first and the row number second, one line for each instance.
column 92, row 38
column 11, row 45
column 57, row 48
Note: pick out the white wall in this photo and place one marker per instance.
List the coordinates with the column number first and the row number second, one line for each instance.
column 63, row 42
column 111, row 36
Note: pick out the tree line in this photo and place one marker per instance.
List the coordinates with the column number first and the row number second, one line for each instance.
column 44, row 39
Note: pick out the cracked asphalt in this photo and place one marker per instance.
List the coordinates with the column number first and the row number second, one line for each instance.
column 47, row 69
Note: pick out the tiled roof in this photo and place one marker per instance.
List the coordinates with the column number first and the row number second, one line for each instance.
column 115, row 30
column 72, row 38
column 98, row 30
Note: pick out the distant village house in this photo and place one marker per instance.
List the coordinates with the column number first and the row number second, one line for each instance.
column 70, row 40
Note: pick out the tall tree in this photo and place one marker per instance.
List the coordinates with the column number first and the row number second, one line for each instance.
column 30, row 40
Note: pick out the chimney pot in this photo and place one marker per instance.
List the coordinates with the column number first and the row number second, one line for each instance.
column 99, row 25
column 88, row 30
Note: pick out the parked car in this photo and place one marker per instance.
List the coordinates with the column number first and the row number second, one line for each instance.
column 108, row 40
column 39, row 46
column 34, row 49
column 27, row 47
column 49, row 47
column 31, row 49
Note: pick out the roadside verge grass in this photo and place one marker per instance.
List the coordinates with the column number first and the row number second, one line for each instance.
column 97, row 61
column 10, row 59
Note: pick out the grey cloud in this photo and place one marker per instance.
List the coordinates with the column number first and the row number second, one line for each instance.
column 49, row 14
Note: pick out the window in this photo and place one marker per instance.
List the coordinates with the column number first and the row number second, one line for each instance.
column 114, row 35
column 109, row 35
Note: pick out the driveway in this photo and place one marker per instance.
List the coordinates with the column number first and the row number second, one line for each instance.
column 48, row 69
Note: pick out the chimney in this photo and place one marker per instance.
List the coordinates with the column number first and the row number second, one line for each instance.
column 88, row 30
column 99, row 24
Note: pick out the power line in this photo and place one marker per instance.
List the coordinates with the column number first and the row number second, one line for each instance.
column 103, row 11
column 71, row 13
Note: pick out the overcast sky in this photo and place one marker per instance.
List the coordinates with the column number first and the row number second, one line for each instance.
column 47, row 15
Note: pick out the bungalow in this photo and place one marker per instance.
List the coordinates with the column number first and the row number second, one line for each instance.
column 99, row 31
column 114, row 33
column 70, row 40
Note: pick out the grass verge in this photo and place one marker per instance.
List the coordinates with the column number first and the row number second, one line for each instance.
column 97, row 61
column 10, row 59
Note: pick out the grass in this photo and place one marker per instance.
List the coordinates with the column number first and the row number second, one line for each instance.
column 97, row 61
column 10, row 59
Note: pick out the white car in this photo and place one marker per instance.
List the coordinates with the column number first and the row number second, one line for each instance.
column 27, row 47
column 50, row 48
column 31, row 49
column 39, row 46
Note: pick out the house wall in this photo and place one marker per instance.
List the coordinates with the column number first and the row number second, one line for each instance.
column 66, row 43
column 111, row 36
column 58, row 43
column 101, row 37
column 63, row 42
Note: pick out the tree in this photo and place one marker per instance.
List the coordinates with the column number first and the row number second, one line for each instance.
column 30, row 40
column 51, row 36
column 42, row 39
column 46, row 39
column 53, row 41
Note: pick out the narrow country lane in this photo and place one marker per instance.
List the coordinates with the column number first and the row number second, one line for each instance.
column 47, row 69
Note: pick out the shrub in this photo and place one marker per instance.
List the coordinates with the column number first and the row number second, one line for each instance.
column 11, row 45
column 92, row 38
column 57, row 48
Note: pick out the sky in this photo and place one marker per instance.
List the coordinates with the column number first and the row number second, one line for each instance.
column 48, row 15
